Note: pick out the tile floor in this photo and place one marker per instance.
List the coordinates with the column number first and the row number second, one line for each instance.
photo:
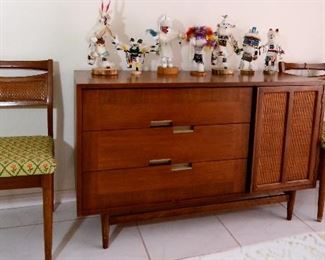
column 21, row 232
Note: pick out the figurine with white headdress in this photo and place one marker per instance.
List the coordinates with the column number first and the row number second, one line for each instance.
column 98, row 53
column 251, row 51
column 273, row 51
column 164, row 38
column 219, row 56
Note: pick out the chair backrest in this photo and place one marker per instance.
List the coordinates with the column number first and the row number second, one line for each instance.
column 283, row 66
column 35, row 90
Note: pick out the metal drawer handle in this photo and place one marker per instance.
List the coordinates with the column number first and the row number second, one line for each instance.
column 181, row 167
column 161, row 123
column 156, row 162
column 183, row 129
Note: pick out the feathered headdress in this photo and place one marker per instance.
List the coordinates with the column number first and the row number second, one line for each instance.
column 201, row 32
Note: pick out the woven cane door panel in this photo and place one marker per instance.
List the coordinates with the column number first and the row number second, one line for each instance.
column 300, row 135
column 270, row 141
column 287, row 132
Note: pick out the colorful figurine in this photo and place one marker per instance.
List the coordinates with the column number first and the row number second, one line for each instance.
column 98, row 53
column 219, row 55
column 251, row 51
column 199, row 37
column 135, row 54
column 164, row 38
column 273, row 51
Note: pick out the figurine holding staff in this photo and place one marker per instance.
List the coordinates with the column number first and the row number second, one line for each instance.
column 98, row 53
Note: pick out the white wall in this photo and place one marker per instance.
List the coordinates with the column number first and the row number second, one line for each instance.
column 57, row 29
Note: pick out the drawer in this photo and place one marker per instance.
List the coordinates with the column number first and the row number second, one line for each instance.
column 118, row 188
column 104, row 150
column 124, row 109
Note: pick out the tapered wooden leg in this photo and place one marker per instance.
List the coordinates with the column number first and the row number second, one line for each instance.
column 47, row 186
column 53, row 206
column 291, row 204
column 105, row 230
column 321, row 192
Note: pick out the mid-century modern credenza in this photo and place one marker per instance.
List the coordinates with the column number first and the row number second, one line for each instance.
column 156, row 147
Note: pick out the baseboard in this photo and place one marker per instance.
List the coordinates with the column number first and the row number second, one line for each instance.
column 34, row 199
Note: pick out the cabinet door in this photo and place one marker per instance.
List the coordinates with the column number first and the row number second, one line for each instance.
column 287, row 128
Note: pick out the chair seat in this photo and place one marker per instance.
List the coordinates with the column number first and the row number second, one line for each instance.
column 26, row 155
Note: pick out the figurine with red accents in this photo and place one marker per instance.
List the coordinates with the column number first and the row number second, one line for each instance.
column 164, row 38
column 273, row 51
column 98, row 53
column 200, row 38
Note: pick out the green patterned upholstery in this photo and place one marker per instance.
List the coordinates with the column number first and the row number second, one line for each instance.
column 26, row 155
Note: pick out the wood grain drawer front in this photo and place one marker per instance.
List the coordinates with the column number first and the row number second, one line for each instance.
column 118, row 188
column 139, row 147
column 124, row 109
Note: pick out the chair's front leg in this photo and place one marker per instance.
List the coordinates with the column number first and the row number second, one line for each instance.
column 47, row 186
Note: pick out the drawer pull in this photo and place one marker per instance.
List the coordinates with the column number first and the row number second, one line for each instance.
column 161, row 123
column 156, row 162
column 181, row 167
column 183, row 129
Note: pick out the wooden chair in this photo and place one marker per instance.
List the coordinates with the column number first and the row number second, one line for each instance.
column 28, row 161
column 283, row 67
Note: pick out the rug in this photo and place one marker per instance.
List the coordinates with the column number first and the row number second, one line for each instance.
column 310, row 246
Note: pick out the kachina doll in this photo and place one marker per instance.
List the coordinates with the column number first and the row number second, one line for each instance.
column 135, row 53
column 164, row 38
column 273, row 51
column 98, row 53
column 251, row 51
column 225, row 38
column 199, row 38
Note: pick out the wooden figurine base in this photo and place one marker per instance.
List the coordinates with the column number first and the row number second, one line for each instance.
column 247, row 72
column 167, row 71
column 222, row 72
column 198, row 73
column 104, row 72
column 269, row 72
column 136, row 72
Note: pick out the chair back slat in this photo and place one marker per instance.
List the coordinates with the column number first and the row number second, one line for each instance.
column 32, row 65
column 31, row 90
column 283, row 66
column 34, row 90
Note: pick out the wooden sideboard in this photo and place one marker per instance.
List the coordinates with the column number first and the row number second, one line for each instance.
column 156, row 147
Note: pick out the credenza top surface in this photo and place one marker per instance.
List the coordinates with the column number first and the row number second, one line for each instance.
column 150, row 79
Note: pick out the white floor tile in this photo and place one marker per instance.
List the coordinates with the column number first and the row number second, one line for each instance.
column 34, row 215
column 11, row 240
column 261, row 224
column 306, row 209
column 10, row 218
column 85, row 243
column 175, row 239
column 185, row 237
column 81, row 239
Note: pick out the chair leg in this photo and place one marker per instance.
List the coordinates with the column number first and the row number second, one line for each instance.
column 105, row 229
column 47, row 186
column 53, row 205
column 321, row 191
column 291, row 204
